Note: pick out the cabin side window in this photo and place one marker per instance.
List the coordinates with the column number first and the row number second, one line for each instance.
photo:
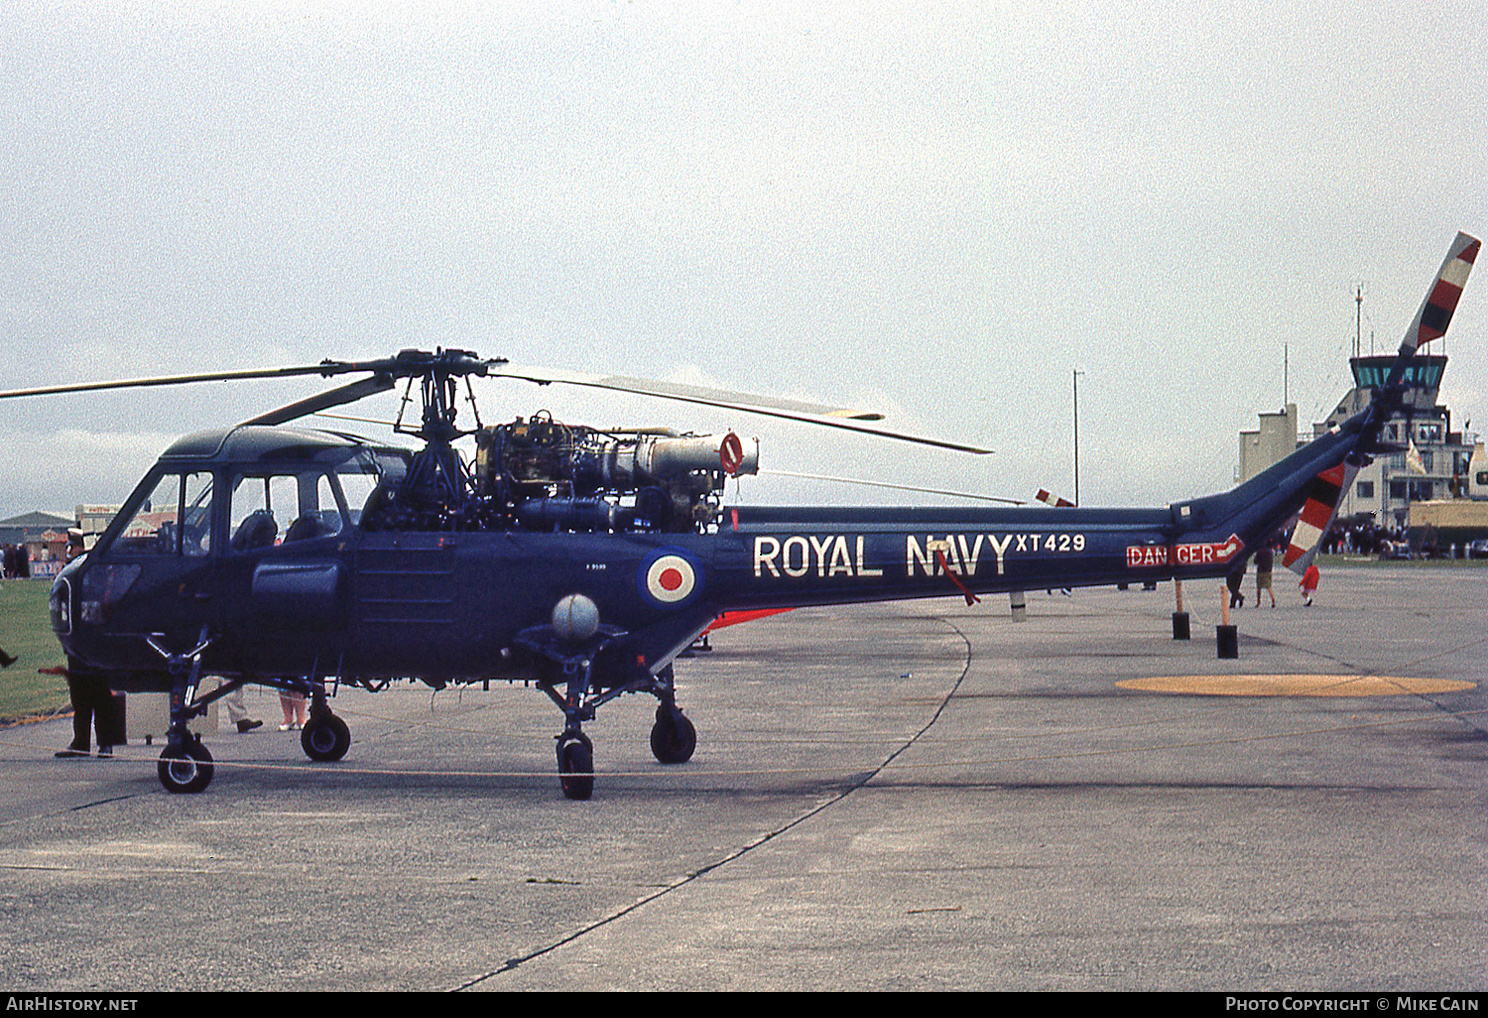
column 174, row 519
column 270, row 509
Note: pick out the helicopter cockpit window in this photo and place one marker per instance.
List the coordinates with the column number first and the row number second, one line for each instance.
column 175, row 519
column 270, row 509
column 367, row 481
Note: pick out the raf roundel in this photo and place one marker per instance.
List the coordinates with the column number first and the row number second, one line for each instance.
column 669, row 577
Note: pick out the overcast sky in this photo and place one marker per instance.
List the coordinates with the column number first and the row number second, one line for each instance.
column 938, row 211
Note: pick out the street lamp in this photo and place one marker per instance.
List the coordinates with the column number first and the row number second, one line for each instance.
column 1076, row 375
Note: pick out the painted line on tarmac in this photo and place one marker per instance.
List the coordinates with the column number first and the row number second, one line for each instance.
column 1295, row 685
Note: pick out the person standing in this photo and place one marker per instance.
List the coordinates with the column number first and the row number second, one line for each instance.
column 1265, row 560
column 237, row 709
column 90, row 695
column 293, row 706
column 1235, row 581
column 1309, row 584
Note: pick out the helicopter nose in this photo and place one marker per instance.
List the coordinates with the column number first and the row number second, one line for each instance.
column 575, row 618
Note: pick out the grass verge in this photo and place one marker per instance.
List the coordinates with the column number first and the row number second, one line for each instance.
column 26, row 633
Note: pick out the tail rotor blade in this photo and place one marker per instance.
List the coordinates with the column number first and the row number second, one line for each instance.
column 1318, row 513
column 1436, row 310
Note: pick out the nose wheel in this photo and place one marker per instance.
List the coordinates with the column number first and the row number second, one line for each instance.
column 185, row 765
column 187, row 768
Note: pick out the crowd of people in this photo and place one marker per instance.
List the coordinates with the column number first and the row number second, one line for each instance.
column 16, row 562
column 1363, row 537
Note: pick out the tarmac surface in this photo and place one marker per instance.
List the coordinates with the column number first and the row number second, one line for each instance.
column 919, row 795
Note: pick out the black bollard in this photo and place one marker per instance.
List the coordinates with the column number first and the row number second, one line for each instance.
column 1180, row 625
column 1227, row 639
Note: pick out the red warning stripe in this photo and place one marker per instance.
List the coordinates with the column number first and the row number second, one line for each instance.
column 945, row 567
column 737, row 617
column 1441, row 303
column 1317, row 512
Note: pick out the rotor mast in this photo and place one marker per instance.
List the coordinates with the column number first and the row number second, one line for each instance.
column 437, row 480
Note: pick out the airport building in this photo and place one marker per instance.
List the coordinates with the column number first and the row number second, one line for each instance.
column 93, row 520
column 1273, row 441
column 44, row 536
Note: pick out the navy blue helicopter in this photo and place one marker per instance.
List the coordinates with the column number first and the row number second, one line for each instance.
column 581, row 559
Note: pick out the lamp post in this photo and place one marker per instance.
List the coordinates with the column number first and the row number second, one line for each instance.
column 1076, row 375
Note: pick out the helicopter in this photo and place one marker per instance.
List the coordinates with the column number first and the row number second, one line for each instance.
column 580, row 559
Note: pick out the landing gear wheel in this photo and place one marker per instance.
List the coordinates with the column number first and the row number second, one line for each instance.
column 576, row 768
column 325, row 738
column 673, row 738
column 187, row 769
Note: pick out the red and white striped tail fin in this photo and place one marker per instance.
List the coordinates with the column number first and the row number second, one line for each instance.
column 1044, row 496
column 1318, row 513
column 1435, row 315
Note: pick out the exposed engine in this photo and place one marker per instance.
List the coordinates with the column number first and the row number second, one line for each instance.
column 541, row 474
column 545, row 475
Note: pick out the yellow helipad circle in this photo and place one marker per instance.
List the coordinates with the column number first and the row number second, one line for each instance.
column 1293, row 685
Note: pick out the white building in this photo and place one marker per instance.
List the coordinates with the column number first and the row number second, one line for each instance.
column 1272, row 442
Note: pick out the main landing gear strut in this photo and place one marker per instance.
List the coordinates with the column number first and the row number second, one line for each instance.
column 325, row 737
column 573, row 660
column 186, row 765
column 673, row 738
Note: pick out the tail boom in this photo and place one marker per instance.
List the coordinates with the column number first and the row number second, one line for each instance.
column 783, row 557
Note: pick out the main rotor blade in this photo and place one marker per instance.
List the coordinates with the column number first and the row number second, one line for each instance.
column 768, row 406
column 141, row 383
column 406, row 364
column 887, row 484
column 409, row 363
column 338, row 396
column 678, row 391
